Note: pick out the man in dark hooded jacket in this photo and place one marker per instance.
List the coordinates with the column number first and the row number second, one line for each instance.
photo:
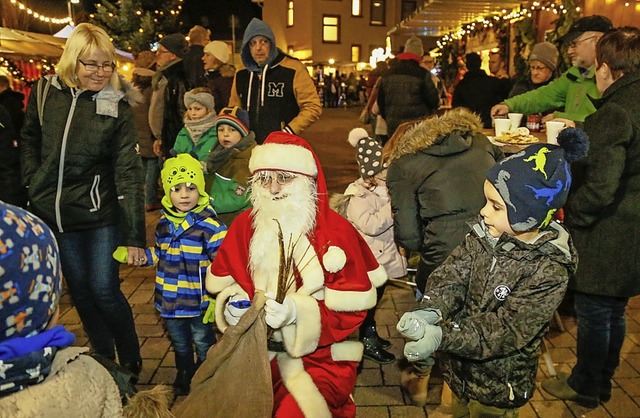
column 274, row 88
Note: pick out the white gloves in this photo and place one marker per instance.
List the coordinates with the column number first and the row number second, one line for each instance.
column 411, row 325
column 419, row 327
column 235, row 308
column 279, row 315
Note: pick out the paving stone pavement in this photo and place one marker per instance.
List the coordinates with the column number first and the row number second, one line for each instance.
column 377, row 393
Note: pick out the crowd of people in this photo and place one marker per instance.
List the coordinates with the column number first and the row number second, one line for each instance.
column 250, row 247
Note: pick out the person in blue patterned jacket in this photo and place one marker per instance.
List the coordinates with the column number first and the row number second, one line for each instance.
column 188, row 236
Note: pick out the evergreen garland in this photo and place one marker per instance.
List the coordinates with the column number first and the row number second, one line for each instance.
column 134, row 26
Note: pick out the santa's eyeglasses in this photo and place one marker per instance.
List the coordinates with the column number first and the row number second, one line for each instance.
column 265, row 178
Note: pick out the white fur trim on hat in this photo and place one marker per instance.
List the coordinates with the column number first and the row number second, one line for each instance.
column 334, row 259
column 355, row 135
column 283, row 157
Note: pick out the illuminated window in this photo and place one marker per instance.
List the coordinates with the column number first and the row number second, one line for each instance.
column 355, row 53
column 378, row 12
column 356, row 7
column 330, row 28
column 289, row 13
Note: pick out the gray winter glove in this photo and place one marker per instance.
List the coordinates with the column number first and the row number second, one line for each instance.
column 411, row 324
column 425, row 346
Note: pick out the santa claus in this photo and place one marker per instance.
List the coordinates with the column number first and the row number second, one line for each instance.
column 333, row 280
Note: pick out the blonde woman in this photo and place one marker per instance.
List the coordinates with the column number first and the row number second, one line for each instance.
column 84, row 180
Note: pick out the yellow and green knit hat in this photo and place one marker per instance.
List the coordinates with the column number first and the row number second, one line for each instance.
column 183, row 168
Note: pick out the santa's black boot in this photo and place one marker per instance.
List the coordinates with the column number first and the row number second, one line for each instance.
column 186, row 369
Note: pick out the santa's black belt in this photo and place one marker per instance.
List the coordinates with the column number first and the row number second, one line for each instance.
column 275, row 346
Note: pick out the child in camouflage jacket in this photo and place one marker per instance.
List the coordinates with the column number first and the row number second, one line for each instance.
column 489, row 304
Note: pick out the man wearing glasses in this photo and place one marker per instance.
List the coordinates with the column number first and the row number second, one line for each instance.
column 572, row 90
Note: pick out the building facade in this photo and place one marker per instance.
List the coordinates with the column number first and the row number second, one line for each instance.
column 335, row 33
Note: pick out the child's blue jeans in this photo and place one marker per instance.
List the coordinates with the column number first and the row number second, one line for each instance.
column 187, row 332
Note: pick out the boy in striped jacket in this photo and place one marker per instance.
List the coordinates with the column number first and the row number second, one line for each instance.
column 187, row 239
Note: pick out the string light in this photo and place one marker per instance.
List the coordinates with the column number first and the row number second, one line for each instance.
column 39, row 16
column 487, row 21
column 16, row 72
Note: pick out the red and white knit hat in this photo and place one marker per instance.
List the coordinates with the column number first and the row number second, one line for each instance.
column 282, row 151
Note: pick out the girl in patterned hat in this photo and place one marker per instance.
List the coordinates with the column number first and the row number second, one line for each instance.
column 366, row 204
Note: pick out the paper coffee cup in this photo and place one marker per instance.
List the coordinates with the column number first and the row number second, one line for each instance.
column 502, row 125
column 516, row 119
column 553, row 129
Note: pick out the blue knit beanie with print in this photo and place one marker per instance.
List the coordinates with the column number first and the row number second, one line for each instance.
column 534, row 183
column 29, row 273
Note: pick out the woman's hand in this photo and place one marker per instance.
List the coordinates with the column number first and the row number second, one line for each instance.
column 136, row 256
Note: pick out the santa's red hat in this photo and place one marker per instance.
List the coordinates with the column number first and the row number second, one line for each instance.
column 282, row 151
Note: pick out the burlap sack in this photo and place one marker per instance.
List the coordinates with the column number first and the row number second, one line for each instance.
column 235, row 379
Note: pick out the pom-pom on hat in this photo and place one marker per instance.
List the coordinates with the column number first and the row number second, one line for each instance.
column 534, row 183
column 202, row 97
column 368, row 153
column 175, row 43
column 218, row 49
column 236, row 117
column 546, row 53
column 29, row 273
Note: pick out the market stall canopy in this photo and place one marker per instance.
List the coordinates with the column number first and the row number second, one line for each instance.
column 21, row 44
column 65, row 32
column 439, row 17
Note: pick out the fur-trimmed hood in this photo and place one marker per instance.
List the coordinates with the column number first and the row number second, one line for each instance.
column 457, row 126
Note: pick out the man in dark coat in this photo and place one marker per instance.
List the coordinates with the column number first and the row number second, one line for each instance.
column 170, row 83
column 478, row 91
column 406, row 90
column 198, row 38
column 603, row 216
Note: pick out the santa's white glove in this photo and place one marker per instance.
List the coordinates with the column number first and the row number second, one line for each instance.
column 412, row 324
column 235, row 308
column 279, row 315
column 425, row 346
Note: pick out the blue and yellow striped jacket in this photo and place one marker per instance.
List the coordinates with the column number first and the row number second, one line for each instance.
column 182, row 255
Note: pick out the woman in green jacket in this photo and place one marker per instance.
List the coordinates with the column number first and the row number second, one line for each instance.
column 84, row 179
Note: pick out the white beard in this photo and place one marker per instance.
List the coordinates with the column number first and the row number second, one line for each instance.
column 295, row 209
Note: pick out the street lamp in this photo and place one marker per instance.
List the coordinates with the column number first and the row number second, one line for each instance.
column 70, row 8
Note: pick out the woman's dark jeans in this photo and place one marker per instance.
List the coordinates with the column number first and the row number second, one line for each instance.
column 601, row 329
column 92, row 278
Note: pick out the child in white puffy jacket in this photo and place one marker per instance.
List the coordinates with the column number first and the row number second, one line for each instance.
column 366, row 204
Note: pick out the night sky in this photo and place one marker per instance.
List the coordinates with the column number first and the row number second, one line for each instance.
column 212, row 14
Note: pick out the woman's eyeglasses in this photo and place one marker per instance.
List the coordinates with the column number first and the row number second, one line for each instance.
column 93, row 67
